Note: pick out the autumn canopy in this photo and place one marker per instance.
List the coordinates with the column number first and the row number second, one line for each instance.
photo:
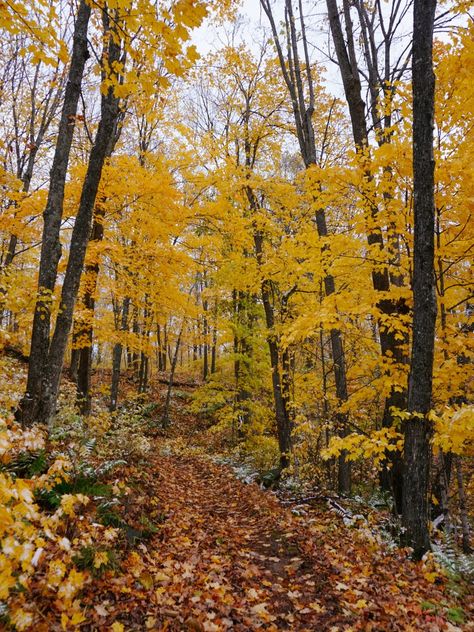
column 236, row 235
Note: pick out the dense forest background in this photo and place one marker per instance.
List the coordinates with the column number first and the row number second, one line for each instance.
column 261, row 252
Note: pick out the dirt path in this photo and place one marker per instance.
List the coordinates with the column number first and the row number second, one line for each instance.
column 227, row 556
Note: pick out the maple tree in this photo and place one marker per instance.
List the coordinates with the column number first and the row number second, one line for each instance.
column 242, row 266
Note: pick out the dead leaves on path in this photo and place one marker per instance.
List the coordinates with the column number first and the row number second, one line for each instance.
column 229, row 557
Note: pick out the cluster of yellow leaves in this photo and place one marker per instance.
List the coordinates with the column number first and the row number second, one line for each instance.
column 39, row 19
column 454, row 430
column 36, row 556
column 14, row 440
column 373, row 446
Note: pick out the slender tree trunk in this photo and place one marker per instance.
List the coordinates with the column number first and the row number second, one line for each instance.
column 417, row 428
column 91, row 274
column 160, row 348
column 214, row 340
column 117, row 357
column 49, row 106
column 165, row 420
column 28, row 410
column 299, row 81
column 74, row 365
column 205, row 331
column 243, row 323
column 463, row 509
column 214, row 351
column 280, row 397
column 143, row 373
column 135, row 356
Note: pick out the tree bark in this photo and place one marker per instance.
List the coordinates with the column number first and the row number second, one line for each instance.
column 279, row 379
column 28, row 410
column 417, row 428
column 117, row 357
column 81, row 232
column 165, row 419
column 91, row 273
column 463, row 509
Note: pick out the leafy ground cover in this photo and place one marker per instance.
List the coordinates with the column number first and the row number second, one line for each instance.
column 115, row 524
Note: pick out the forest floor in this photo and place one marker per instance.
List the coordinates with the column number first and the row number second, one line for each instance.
column 204, row 551
column 228, row 556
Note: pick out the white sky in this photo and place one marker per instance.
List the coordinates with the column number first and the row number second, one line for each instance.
column 210, row 38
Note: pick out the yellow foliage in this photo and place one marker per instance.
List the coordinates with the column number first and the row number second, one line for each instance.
column 454, row 430
column 375, row 446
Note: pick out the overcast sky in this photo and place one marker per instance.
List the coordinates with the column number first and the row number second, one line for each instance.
column 210, row 38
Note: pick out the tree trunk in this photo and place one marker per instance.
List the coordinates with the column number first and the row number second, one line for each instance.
column 299, row 81
column 463, row 509
column 165, row 419
column 391, row 477
column 135, row 356
column 161, row 363
column 74, row 365
column 417, row 428
column 279, row 379
column 28, row 410
column 91, row 274
column 81, row 232
column 117, row 357
column 205, row 332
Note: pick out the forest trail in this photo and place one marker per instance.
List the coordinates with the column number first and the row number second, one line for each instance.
column 227, row 556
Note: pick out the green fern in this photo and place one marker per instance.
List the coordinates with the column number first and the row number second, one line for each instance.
column 28, row 464
column 456, row 563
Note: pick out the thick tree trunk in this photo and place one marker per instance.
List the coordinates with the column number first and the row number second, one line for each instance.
column 51, row 247
column 417, row 428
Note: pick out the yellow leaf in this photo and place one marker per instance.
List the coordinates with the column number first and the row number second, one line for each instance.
column 431, row 576
column 146, row 580
column 77, row 618
column 101, row 558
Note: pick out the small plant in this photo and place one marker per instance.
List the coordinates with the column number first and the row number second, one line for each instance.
column 458, row 565
column 95, row 560
column 28, row 464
